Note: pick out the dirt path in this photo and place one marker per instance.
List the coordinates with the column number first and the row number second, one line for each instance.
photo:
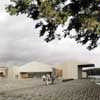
column 73, row 90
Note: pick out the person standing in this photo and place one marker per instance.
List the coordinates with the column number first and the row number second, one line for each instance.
column 48, row 79
column 52, row 78
column 44, row 79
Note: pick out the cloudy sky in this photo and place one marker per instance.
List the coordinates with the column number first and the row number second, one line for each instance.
column 19, row 43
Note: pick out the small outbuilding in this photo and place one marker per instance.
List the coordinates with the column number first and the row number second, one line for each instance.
column 34, row 69
column 8, row 71
column 3, row 72
column 13, row 72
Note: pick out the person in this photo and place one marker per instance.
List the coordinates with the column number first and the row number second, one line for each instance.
column 52, row 78
column 48, row 79
column 44, row 79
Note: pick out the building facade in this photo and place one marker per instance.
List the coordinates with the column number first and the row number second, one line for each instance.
column 34, row 70
column 73, row 70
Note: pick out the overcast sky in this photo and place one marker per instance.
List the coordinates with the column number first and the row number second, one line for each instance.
column 19, row 44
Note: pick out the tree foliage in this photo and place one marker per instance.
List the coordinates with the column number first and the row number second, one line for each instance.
column 85, row 20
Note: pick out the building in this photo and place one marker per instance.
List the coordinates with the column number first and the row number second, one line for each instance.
column 68, row 70
column 73, row 69
column 93, row 74
column 34, row 69
column 30, row 70
column 13, row 72
column 92, row 71
column 3, row 72
column 9, row 72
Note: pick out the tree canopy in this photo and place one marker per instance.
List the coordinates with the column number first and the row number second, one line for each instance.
column 85, row 18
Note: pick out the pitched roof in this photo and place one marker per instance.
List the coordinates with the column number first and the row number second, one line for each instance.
column 35, row 67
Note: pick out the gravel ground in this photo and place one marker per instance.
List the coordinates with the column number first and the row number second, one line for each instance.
column 34, row 89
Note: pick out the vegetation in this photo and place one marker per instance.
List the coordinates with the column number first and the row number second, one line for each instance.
column 85, row 20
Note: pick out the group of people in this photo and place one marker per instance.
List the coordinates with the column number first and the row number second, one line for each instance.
column 48, row 79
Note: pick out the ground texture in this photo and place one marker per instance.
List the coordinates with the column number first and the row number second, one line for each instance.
column 34, row 89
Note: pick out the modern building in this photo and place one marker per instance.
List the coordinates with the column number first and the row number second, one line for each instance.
column 93, row 74
column 34, row 69
column 73, row 69
column 92, row 71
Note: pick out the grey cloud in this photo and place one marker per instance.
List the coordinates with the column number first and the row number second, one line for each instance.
column 19, row 44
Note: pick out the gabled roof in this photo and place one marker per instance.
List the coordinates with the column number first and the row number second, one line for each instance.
column 35, row 67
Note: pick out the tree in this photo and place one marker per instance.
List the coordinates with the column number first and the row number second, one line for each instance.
column 85, row 18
